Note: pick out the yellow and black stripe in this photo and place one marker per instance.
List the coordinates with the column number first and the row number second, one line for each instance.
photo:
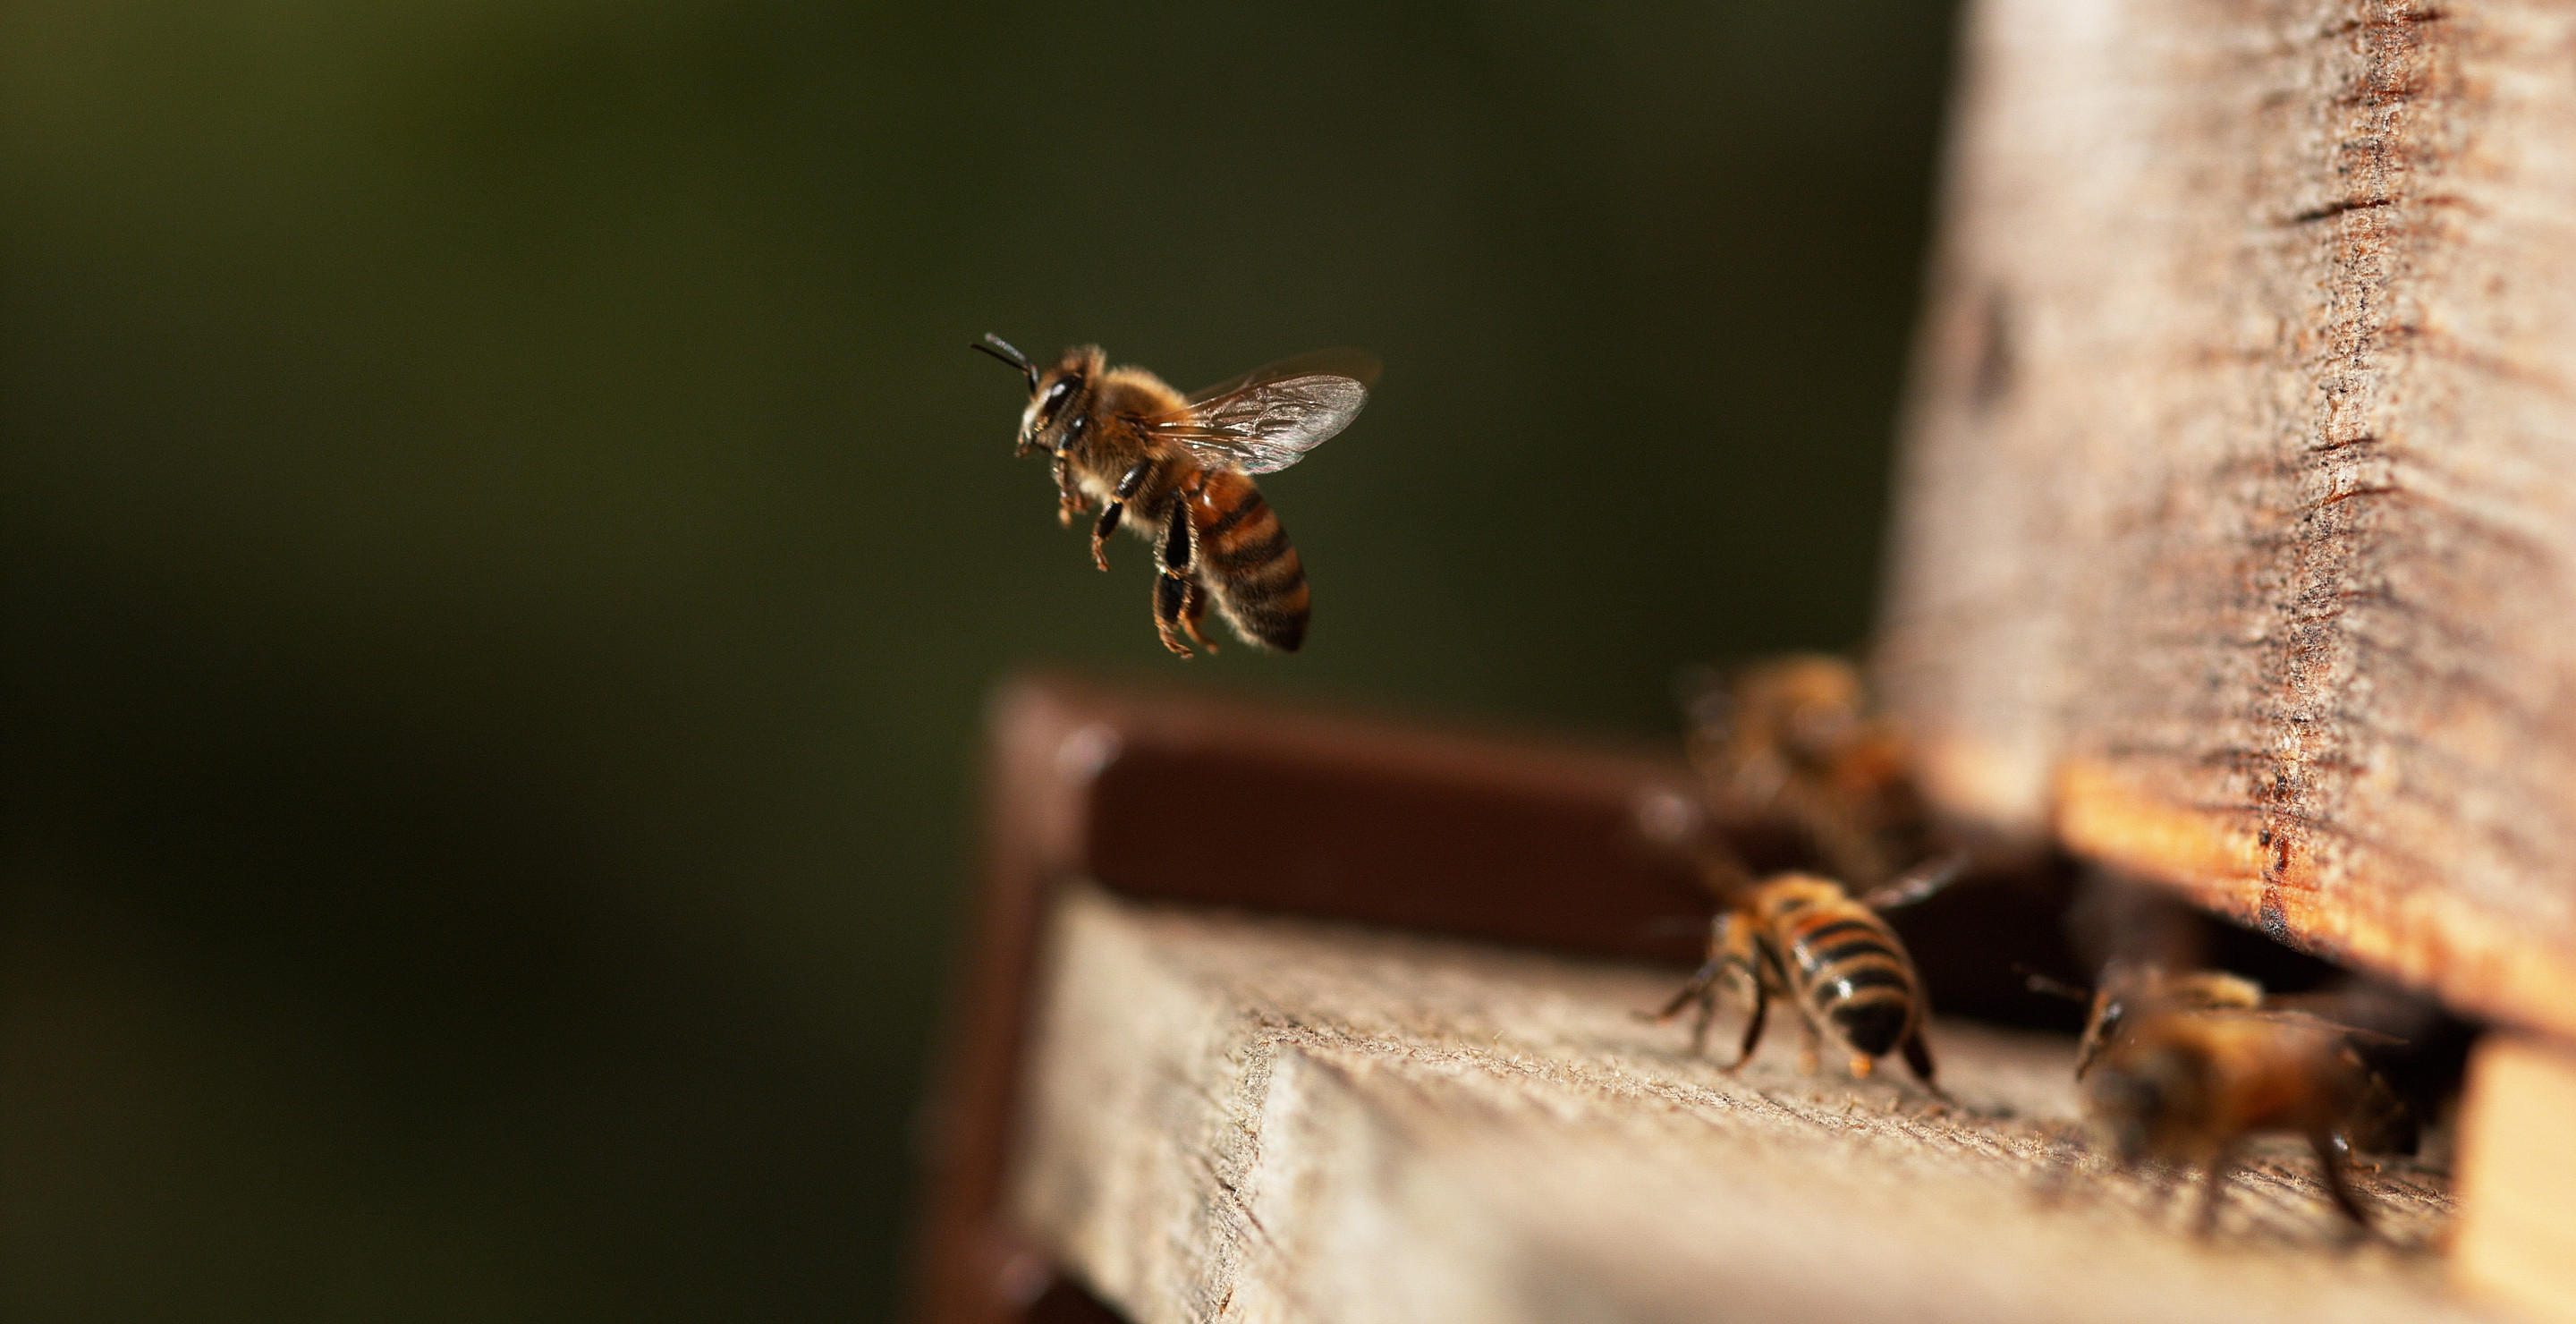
column 1246, row 560
column 1848, row 967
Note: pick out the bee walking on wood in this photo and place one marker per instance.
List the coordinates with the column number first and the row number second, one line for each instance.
column 1805, row 940
column 2189, row 1087
column 1802, row 938
column 2183, row 1068
column 1177, row 469
column 2128, row 990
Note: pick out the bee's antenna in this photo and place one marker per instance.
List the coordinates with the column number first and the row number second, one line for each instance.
column 2039, row 983
column 1007, row 354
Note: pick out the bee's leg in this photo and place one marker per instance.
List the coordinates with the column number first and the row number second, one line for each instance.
column 1918, row 1059
column 1193, row 607
column 1069, row 500
column 1100, row 530
column 1168, row 593
column 1752, row 1027
column 2334, row 1154
column 2214, row 1189
column 1116, row 506
column 1701, row 987
column 1177, row 551
column 1699, row 982
column 2165, row 1181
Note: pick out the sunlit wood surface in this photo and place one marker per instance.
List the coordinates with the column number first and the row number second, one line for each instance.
column 1260, row 1119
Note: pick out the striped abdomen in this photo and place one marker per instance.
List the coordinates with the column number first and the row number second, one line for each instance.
column 1246, row 562
column 1847, row 966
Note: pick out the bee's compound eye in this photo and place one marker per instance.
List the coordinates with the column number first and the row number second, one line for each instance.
column 1055, row 395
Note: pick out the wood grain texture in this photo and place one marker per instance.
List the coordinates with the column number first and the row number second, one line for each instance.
column 2237, row 535
column 1248, row 1119
column 1147, row 790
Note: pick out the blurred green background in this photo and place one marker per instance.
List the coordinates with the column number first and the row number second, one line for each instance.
column 505, row 546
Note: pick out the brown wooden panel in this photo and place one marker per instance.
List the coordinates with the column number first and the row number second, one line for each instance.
column 1173, row 796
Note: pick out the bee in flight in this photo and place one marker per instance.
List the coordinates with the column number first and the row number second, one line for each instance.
column 1177, row 469
column 1794, row 741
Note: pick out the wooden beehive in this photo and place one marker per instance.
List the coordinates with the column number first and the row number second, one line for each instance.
column 2237, row 544
column 2238, row 532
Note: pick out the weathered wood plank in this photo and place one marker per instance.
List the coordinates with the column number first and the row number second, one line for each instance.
column 2238, row 527
column 2517, row 1160
column 1366, row 820
column 1264, row 1119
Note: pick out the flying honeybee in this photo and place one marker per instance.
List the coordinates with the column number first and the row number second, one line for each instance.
column 1795, row 740
column 1177, row 469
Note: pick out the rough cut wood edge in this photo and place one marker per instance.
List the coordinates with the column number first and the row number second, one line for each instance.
column 1261, row 1119
column 1361, row 819
column 2514, row 1242
column 2237, row 528
column 2246, row 873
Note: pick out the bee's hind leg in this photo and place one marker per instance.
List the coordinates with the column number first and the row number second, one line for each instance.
column 1810, row 1056
column 1169, row 594
column 2213, row 1191
column 1194, row 606
column 1918, row 1059
column 2334, row 1162
column 1176, row 556
column 1752, row 1027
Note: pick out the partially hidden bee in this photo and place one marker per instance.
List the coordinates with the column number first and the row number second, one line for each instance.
column 2185, row 1067
column 1803, row 939
column 2190, row 1087
column 2127, row 990
column 1177, row 469
column 1795, row 740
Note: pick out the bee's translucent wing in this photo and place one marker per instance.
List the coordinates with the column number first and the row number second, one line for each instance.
column 1268, row 418
column 1918, row 883
column 1357, row 364
column 2357, row 1033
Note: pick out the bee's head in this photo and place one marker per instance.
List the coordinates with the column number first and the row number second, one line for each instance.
column 2127, row 989
column 2109, row 1016
column 1812, row 703
column 2150, row 1094
column 1058, row 396
column 1778, row 897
